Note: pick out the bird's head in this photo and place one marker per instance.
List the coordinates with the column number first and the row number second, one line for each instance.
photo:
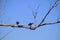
column 17, row 22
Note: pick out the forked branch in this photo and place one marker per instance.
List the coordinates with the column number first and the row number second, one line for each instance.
column 48, row 12
column 34, row 13
column 34, row 27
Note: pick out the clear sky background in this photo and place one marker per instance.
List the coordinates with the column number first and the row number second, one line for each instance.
column 21, row 10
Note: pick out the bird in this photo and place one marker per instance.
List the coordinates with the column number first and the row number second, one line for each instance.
column 30, row 24
column 58, row 21
column 17, row 22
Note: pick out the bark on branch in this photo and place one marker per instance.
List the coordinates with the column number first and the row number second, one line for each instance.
column 28, row 27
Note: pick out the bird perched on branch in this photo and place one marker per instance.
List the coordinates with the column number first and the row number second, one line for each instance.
column 30, row 24
column 58, row 21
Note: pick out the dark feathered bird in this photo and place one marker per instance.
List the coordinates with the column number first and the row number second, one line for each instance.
column 58, row 21
column 17, row 22
column 30, row 24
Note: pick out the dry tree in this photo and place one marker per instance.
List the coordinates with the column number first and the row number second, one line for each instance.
column 34, row 15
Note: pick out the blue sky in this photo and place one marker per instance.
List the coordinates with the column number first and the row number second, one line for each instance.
column 21, row 10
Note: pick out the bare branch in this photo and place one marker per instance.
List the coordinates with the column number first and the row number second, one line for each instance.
column 48, row 12
column 28, row 27
column 16, row 26
column 35, row 14
column 50, row 23
column 8, row 25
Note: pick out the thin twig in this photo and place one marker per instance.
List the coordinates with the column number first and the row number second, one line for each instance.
column 35, row 14
column 6, row 34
